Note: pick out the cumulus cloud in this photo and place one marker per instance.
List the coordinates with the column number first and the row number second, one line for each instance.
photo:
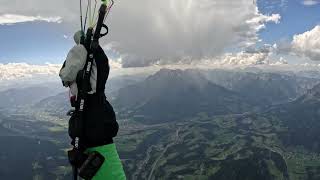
column 281, row 61
column 249, row 57
column 67, row 10
column 244, row 58
column 13, row 71
column 310, row 2
column 163, row 32
column 307, row 44
column 8, row 19
column 262, row 57
column 256, row 24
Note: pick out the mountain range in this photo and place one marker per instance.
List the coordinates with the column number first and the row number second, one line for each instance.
column 26, row 96
column 169, row 95
column 302, row 119
column 181, row 124
column 174, row 94
column 263, row 88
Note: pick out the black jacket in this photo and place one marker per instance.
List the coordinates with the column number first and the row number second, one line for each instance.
column 99, row 123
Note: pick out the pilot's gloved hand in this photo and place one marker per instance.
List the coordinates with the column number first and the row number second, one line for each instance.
column 74, row 62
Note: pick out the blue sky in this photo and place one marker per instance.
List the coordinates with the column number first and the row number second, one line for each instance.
column 296, row 18
column 35, row 42
column 42, row 42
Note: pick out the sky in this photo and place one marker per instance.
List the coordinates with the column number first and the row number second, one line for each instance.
column 152, row 32
column 296, row 18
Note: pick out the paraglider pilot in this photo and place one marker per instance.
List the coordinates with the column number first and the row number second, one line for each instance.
column 99, row 119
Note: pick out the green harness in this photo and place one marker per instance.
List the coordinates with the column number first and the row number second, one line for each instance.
column 112, row 167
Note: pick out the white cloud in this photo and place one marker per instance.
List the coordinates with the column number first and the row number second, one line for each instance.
column 255, row 25
column 307, row 44
column 249, row 57
column 67, row 10
column 14, row 71
column 259, row 21
column 244, row 58
column 262, row 57
column 115, row 64
column 7, row 19
column 281, row 61
column 153, row 31
column 310, row 2
column 258, row 61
